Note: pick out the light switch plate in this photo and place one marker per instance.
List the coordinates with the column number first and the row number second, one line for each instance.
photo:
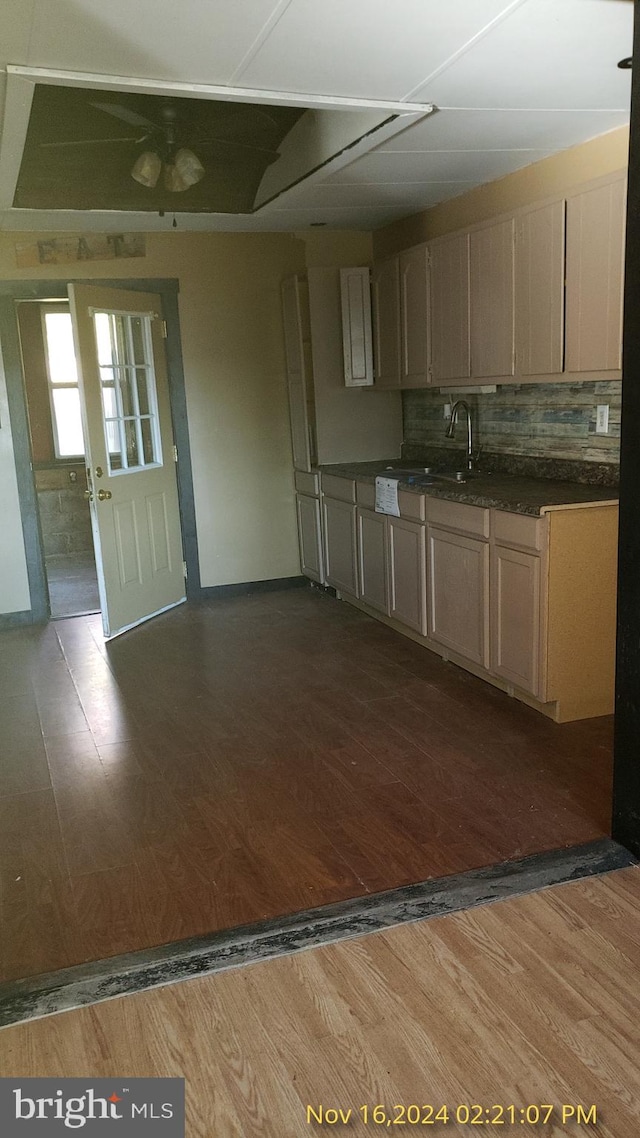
column 602, row 419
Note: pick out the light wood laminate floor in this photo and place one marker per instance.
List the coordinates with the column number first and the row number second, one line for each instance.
column 529, row 1001
column 255, row 756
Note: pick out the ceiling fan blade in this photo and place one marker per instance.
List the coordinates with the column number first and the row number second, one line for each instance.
column 125, row 115
column 89, row 142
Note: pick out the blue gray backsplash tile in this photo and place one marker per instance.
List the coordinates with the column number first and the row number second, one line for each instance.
column 547, row 420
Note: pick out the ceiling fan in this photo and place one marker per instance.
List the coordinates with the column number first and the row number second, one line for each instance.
column 178, row 164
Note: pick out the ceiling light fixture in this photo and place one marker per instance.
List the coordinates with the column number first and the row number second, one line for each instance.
column 180, row 170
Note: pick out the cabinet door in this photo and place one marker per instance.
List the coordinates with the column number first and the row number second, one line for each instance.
column 385, row 295
column 297, row 363
column 407, row 574
column 458, row 577
column 310, row 536
column 491, row 255
column 414, row 317
column 357, row 343
column 449, row 306
column 595, row 267
column 515, row 617
column 540, row 290
column 340, row 545
column 372, row 559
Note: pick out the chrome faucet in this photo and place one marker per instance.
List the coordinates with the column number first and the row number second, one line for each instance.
column 462, row 405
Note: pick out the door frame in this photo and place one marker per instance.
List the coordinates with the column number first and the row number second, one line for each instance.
column 41, row 290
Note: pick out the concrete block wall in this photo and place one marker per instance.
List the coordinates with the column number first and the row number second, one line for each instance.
column 64, row 511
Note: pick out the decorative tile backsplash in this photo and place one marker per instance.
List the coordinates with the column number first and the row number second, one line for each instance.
column 550, row 420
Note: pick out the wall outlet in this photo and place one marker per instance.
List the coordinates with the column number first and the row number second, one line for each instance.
column 447, row 410
column 602, row 419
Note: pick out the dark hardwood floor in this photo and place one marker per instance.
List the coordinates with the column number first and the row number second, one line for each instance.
column 254, row 756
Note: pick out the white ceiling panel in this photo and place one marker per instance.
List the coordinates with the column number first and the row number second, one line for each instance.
column 413, row 195
column 436, row 166
column 198, row 41
column 548, row 54
column 365, row 48
column 505, row 130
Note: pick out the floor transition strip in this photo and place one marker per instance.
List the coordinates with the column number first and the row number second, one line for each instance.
column 85, row 984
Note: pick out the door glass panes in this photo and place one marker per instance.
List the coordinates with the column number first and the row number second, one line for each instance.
column 62, row 375
column 127, row 378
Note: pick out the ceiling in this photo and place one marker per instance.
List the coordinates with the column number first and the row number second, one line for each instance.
column 513, row 82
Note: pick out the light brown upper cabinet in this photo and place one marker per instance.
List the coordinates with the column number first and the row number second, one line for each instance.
column 400, row 296
column 385, row 303
column 539, row 313
column 491, row 259
column 297, row 339
column 414, row 317
column 449, row 309
column 357, row 345
column 595, row 269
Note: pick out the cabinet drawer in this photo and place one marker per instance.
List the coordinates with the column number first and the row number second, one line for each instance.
column 344, row 489
column 307, row 482
column 457, row 516
column 366, row 495
column 518, row 531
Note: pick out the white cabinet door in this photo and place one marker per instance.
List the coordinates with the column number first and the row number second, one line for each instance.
column 385, row 295
column 449, row 306
column 540, row 254
column 595, row 269
column 407, row 574
column 372, row 559
column 297, row 365
column 458, row 573
column 357, row 338
column 341, row 547
column 310, row 537
column 414, row 317
column 515, row 617
column 491, row 253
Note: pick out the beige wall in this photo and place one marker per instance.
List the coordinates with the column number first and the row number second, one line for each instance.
column 593, row 159
column 236, row 392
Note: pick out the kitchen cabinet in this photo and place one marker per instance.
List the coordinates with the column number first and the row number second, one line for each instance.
column 516, row 617
column 385, row 302
column 491, row 277
column 449, row 309
column 458, row 574
column 400, row 300
column 357, row 342
column 373, row 559
column 341, row 545
column 310, row 537
column 407, row 573
column 594, row 275
column 539, row 312
column 299, row 371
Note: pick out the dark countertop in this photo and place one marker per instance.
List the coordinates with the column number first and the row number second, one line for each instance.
column 513, row 493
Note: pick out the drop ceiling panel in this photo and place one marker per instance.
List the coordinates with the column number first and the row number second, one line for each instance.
column 443, row 166
column 505, row 130
column 364, row 48
column 198, row 41
column 547, row 53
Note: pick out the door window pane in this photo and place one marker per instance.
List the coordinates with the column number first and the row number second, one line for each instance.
column 129, row 402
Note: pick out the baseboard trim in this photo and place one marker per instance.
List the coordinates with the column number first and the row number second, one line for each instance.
column 17, row 619
column 85, row 984
column 243, row 588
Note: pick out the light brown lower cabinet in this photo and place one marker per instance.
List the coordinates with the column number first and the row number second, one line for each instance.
column 458, row 583
column 341, row 545
column 516, row 617
column 373, row 559
column 408, row 574
column 310, row 536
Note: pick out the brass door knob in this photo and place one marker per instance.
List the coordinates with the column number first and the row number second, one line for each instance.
column 88, row 495
column 103, row 495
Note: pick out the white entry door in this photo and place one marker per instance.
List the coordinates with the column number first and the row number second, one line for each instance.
column 130, row 453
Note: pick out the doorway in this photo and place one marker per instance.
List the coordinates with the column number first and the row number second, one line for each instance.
column 58, row 456
column 57, row 294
